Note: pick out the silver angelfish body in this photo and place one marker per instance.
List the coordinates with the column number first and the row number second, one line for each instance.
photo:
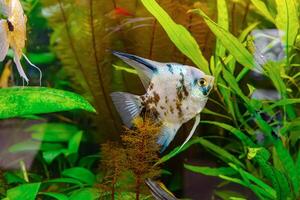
column 175, row 94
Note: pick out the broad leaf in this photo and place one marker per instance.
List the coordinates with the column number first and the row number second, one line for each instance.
column 81, row 174
column 16, row 102
column 86, row 194
column 55, row 195
column 26, row 191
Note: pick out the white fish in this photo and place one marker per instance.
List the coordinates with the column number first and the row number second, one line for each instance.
column 175, row 94
column 13, row 33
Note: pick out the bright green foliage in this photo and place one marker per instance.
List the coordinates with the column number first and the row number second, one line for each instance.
column 81, row 174
column 269, row 167
column 178, row 34
column 27, row 191
column 21, row 101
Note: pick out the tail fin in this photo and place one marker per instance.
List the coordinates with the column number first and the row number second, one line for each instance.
column 128, row 105
column 159, row 191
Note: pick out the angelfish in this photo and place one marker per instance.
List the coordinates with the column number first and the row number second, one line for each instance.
column 175, row 93
column 13, row 33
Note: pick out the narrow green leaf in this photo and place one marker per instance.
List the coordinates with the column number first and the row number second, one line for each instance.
column 222, row 22
column 210, row 112
column 298, row 168
column 236, row 132
column 82, row 174
column 126, row 69
column 178, row 34
column 287, row 21
column 230, row 42
column 228, row 195
column 271, row 192
column 15, row 102
column 25, row 191
column 262, row 8
column 288, row 164
column 209, row 171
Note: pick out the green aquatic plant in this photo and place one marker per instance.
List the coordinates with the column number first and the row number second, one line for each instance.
column 270, row 169
column 127, row 166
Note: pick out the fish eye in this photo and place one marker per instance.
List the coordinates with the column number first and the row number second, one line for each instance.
column 202, row 82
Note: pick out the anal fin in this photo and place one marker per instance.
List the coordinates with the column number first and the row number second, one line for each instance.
column 168, row 132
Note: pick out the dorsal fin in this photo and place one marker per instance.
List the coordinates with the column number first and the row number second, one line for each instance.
column 145, row 68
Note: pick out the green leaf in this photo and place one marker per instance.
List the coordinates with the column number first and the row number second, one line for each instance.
column 57, row 196
column 178, row 34
column 88, row 161
column 15, row 102
column 28, row 145
column 24, row 192
column 81, row 174
column 222, row 154
column 49, row 156
column 228, row 195
column 85, row 194
column 222, row 22
column 236, row 132
column 74, row 143
column 287, row 21
column 288, row 164
column 209, row 171
column 126, row 69
column 271, row 193
column 210, row 112
column 230, row 42
column 53, row 132
column 41, row 58
column 12, row 178
column 298, row 168
column 64, row 181
column 262, row 8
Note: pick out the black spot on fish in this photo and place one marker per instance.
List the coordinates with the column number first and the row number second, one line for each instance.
column 171, row 109
column 166, row 99
column 182, row 92
column 179, row 109
column 11, row 27
column 170, row 68
column 151, row 86
column 161, row 107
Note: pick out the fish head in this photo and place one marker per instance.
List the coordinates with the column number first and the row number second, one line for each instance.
column 202, row 83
